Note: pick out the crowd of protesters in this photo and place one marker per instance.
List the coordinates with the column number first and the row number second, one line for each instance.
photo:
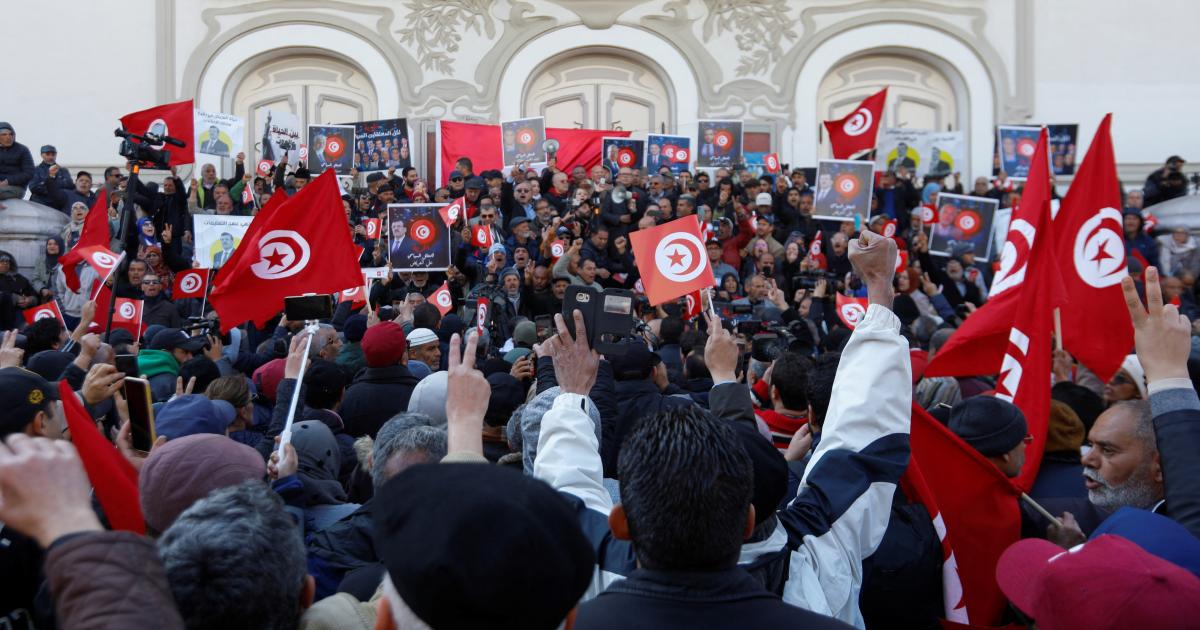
column 721, row 471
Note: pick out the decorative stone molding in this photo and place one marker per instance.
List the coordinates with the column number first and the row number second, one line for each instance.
column 433, row 28
column 759, row 28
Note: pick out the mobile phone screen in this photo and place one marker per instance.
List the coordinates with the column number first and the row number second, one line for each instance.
column 141, row 413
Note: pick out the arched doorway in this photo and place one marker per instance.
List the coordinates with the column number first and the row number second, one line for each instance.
column 598, row 88
column 920, row 95
column 318, row 88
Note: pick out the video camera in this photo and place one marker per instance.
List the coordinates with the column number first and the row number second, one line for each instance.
column 809, row 279
column 140, row 148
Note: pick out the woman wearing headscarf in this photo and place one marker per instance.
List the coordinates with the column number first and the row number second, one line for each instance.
column 146, row 237
column 74, row 227
column 16, row 292
column 153, row 255
column 320, row 461
column 45, row 266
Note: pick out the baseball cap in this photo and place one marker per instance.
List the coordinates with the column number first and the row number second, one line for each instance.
column 475, row 182
column 525, row 334
column 1156, row 534
column 1108, row 582
column 421, row 336
column 534, row 561
column 171, row 338
column 22, row 395
column 49, row 148
column 191, row 414
column 763, row 199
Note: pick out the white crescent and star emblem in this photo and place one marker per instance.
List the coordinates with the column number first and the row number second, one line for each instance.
column 853, row 313
column 189, row 283
column 422, row 232
column 45, row 313
column 128, row 311
column 1100, row 249
column 103, row 259
column 283, row 253
column 679, row 257
column 1014, row 258
column 443, row 299
column 858, row 123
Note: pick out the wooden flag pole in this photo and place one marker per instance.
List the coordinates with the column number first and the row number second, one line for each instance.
column 1058, row 340
column 1041, row 510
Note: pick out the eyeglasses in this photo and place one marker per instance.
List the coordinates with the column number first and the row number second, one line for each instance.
column 145, row 281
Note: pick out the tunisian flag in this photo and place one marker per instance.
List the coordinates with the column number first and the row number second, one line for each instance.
column 301, row 246
column 94, row 233
column 975, row 512
column 190, row 283
column 851, row 310
column 174, row 120
column 114, row 479
column 481, row 143
column 442, row 299
column 49, row 310
column 671, row 259
column 978, row 346
column 1089, row 239
column 856, row 133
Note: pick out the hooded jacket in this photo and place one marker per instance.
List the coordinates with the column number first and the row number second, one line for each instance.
column 377, row 394
column 16, row 163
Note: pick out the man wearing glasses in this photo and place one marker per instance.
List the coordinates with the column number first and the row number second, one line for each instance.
column 157, row 308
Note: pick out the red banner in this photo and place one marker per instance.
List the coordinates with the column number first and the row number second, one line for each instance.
column 481, row 143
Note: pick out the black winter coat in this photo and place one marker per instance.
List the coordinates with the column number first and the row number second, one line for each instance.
column 374, row 397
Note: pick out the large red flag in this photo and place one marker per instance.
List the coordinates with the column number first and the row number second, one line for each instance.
column 978, row 346
column 278, row 198
column 174, row 119
column 481, row 143
column 1089, row 239
column 300, row 247
column 94, row 233
column 974, row 510
column 671, row 259
column 114, row 479
column 856, row 133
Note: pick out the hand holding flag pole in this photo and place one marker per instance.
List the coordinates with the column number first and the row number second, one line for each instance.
column 297, row 364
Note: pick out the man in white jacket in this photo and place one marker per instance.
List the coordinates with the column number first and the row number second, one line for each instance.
column 843, row 505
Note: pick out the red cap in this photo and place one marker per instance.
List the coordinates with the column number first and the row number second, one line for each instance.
column 1108, row 582
column 384, row 344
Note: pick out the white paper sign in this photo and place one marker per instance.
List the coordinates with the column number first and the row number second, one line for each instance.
column 219, row 134
column 217, row 236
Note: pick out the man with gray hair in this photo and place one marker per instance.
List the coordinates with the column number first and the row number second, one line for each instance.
column 344, row 553
column 1122, row 468
column 326, row 344
column 236, row 560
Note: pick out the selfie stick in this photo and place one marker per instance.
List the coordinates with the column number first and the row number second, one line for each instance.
column 310, row 327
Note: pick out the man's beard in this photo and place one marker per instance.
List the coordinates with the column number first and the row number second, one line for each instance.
column 1137, row 491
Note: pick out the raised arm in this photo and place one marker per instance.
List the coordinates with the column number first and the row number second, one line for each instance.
column 1162, row 337
column 842, row 508
column 568, row 453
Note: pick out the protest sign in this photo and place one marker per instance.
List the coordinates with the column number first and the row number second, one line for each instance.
column 922, row 152
column 619, row 153
column 329, row 147
column 844, row 189
column 217, row 236
column 674, row 152
column 381, row 144
column 963, row 219
column 719, row 143
column 418, row 239
column 521, row 141
column 280, row 137
column 1016, row 146
column 219, row 134
column 1061, row 139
